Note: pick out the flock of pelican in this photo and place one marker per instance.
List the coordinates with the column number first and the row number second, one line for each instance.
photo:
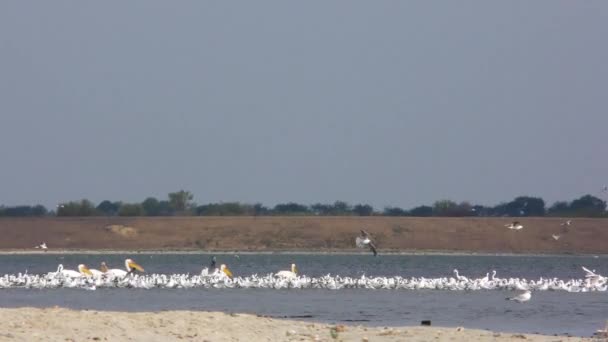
column 133, row 276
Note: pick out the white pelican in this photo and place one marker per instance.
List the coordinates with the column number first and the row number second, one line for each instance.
column 130, row 265
column 82, row 271
column 364, row 240
column 42, row 245
column 225, row 270
column 288, row 274
column 514, row 225
column 99, row 273
column 522, row 297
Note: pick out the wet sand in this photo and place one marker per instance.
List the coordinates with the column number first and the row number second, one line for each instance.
column 58, row 324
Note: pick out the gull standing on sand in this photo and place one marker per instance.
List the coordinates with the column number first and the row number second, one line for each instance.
column 364, row 240
column 522, row 297
column 567, row 223
column 515, row 225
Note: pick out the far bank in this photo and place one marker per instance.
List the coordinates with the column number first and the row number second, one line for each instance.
column 306, row 233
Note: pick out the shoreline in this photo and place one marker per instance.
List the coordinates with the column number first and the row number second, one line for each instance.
column 60, row 324
column 392, row 235
column 286, row 252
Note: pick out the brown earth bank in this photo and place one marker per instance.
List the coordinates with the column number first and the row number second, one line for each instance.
column 305, row 233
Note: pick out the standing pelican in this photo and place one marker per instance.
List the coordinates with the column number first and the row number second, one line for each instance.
column 288, row 274
column 364, row 240
column 130, row 266
column 522, row 297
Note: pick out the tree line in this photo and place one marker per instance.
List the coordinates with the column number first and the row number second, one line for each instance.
column 180, row 203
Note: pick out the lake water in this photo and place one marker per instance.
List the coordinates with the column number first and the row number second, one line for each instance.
column 549, row 312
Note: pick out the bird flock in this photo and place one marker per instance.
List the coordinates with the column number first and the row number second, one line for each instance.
column 133, row 276
column 213, row 277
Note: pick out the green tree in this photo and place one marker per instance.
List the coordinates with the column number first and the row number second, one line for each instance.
column 445, row 208
column 394, row 211
column 589, row 206
column 259, row 209
column 363, row 209
column 108, row 208
column 131, row 209
column 422, row 211
column 291, row 208
column 151, row 207
column 76, row 208
column 560, row 208
column 180, row 201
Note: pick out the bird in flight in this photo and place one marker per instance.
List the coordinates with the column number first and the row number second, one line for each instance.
column 42, row 246
column 364, row 240
column 556, row 237
column 522, row 297
column 514, row 225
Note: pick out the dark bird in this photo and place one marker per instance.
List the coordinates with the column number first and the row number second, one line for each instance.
column 212, row 266
column 364, row 240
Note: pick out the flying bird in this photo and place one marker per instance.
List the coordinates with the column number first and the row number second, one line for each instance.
column 42, row 245
column 522, row 297
column 514, row 225
column 364, row 240
column 556, row 237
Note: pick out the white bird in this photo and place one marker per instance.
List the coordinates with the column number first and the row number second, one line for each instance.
column 590, row 274
column 567, row 223
column 556, row 237
column 522, row 297
column 82, row 271
column 514, row 225
column 288, row 274
column 225, row 270
column 42, row 245
column 101, row 272
column 130, row 266
column 364, row 240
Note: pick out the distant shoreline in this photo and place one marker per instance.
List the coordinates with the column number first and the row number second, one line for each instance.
column 304, row 234
column 285, row 252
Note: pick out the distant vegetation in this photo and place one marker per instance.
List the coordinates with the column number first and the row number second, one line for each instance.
column 181, row 203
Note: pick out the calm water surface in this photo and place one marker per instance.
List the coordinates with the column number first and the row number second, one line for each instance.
column 548, row 312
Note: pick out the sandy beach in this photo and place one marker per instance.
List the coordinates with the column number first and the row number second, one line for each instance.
column 58, row 324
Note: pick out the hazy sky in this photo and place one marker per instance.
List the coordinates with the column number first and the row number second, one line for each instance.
column 382, row 102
